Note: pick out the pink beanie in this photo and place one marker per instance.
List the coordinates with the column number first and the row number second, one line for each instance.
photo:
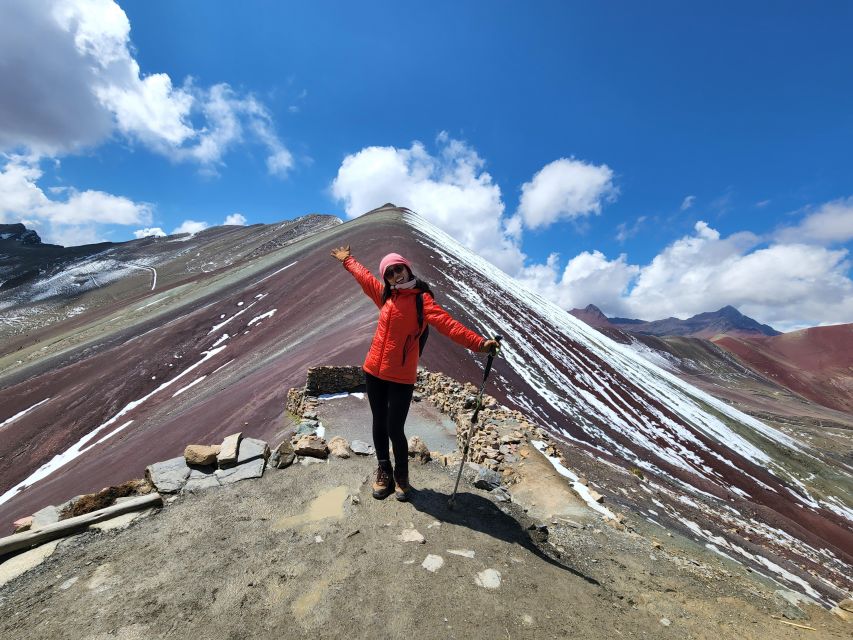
column 392, row 258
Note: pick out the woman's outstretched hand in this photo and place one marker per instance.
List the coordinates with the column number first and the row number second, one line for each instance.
column 490, row 346
column 341, row 253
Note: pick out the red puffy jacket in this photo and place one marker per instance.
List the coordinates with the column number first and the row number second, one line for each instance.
column 394, row 353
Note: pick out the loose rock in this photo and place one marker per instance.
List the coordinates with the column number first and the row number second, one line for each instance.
column 501, row 495
column 411, row 535
column 168, row 476
column 228, row 450
column 23, row 524
column 418, row 450
column 361, row 448
column 596, row 497
column 306, row 428
column 487, row 479
column 844, row 614
column 312, row 447
column 433, row 563
column 251, row 449
column 488, row 579
column 45, row 516
column 201, row 455
column 788, row 602
column 200, row 479
column 283, row 456
column 339, row 447
column 251, row 469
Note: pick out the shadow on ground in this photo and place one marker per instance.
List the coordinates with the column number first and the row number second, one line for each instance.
column 480, row 514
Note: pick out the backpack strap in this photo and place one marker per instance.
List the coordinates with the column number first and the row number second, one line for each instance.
column 423, row 332
column 419, row 305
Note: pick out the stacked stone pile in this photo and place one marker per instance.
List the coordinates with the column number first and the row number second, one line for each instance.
column 499, row 434
column 205, row 466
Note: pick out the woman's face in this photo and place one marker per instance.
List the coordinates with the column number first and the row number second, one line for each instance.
column 397, row 274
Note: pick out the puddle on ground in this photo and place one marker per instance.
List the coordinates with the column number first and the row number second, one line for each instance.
column 329, row 504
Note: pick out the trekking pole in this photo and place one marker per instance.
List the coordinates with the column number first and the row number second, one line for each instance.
column 477, row 408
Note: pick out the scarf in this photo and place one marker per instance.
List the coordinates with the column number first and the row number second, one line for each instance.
column 406, row 285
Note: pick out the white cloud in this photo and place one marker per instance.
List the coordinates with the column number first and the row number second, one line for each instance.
column 236, row 219
column 687, row 202
column 78, row 218
column 786, row 285
column 624, row 232
column 190, row 226
column 75, row 235
column 156, row 232
column 280, row 162
column 97, row 207
column 587, row 278
column 450, row 189
column 73, row 80
column 565, row 189
column 831, row 223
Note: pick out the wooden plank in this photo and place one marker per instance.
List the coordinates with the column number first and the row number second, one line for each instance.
column 72, row 525
column 793, row 624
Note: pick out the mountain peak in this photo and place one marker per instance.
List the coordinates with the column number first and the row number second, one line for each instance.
column 19, row 233
column 592, row 315
column 703, row 325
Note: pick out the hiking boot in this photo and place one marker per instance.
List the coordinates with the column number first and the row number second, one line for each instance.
column 401, row 478
column 383, row 486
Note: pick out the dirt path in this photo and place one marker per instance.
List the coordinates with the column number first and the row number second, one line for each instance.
column 307, row 552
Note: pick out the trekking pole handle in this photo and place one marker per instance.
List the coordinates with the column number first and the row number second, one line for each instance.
column 492, row 355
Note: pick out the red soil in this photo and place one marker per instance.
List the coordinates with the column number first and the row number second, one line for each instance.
column 816, row 363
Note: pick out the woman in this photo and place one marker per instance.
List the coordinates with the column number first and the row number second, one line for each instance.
column 391, row 366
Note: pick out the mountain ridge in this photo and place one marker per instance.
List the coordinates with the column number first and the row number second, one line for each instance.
column 253, row 327
column 726, row 320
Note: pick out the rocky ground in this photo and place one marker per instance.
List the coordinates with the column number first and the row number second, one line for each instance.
column 307, row 551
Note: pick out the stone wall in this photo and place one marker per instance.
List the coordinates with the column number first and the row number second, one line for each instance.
column 500, row 433
column 496, row 442
column 334, row 380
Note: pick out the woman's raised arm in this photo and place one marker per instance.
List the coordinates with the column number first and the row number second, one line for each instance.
column 369, row 284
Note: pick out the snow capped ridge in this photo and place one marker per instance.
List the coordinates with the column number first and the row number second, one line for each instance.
column 602, row 397
column 638, row 370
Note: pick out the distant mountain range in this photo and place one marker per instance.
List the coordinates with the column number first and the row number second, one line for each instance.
column 812, row 363
column 727, row 320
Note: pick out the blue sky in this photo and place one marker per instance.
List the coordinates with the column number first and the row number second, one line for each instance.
column 655, row 159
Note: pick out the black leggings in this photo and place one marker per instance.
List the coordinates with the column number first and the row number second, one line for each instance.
column 389, row 402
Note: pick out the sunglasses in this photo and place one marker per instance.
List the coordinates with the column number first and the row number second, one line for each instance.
column 394, row 269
